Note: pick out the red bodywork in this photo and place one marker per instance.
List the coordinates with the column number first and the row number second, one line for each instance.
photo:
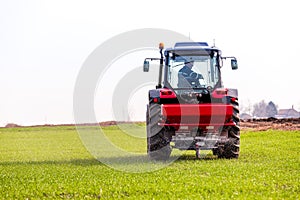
column 197, row 115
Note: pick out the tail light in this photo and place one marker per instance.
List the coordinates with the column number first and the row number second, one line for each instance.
column 155, row 100
column 221, row 91
column 165, row 93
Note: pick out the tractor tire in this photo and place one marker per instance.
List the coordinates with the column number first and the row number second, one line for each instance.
column 219, row 151
column 231, row 148
column 158, row 138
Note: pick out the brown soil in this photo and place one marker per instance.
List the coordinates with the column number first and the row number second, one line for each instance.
column 270, row 123
column 245, row 125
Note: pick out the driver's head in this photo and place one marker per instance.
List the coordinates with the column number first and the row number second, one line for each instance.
column 189, row 64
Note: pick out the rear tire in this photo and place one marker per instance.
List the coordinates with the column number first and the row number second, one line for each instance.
column 231, row 148
column 158, row 138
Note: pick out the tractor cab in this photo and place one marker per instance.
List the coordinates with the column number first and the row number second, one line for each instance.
column 205, row 63
column 192, row 67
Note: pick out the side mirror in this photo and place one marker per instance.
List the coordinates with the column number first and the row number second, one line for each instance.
column 146, row 66
column 234, row 64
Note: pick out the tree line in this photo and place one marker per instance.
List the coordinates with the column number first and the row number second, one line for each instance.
column 261, row 109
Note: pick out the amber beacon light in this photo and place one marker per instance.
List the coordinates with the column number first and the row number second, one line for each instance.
column 161, row 45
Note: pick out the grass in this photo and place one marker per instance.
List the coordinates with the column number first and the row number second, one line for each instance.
column 52, row 163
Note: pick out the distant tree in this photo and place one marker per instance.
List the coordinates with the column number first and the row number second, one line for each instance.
column 259, row 109
column 246, row 107
column 271, row 109
column 11, row 125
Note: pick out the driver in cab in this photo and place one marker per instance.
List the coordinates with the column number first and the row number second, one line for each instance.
column 190, row 76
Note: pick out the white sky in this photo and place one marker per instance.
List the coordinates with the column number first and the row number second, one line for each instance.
column 44, row 43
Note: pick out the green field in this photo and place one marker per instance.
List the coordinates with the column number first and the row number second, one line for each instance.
column 52, row 163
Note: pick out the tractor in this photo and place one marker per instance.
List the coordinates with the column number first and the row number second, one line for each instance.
column 190, row 109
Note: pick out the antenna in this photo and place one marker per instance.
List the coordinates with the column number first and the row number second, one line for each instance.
column 214, row 42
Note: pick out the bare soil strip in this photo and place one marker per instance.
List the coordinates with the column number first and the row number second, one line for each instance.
column 245, row 125
column 270, row 123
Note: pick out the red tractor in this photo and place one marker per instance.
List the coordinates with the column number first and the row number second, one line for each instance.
column 190, row 109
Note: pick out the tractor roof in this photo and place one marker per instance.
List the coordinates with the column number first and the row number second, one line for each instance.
column 191, row 46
